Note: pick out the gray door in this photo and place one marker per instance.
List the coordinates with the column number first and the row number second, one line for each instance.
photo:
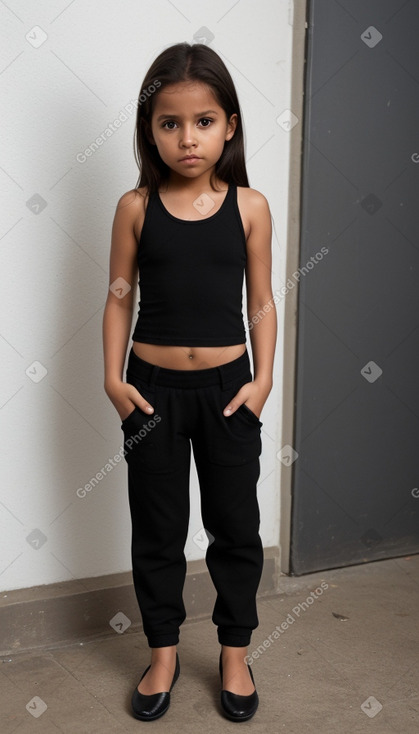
column 355, row 485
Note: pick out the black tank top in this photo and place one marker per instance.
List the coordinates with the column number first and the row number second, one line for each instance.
column 191, row 277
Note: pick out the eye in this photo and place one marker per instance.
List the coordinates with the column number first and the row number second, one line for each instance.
column 206, row 121
column 168, row 122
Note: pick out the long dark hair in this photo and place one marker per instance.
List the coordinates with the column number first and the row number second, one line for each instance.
column 181, row 63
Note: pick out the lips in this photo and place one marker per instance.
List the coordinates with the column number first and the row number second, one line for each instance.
column 190, row 158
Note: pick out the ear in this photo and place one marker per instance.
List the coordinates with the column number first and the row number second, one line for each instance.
column 231, row 126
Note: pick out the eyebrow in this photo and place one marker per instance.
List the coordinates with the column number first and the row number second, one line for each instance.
column 201, row 114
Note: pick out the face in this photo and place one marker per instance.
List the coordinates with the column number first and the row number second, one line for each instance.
column 189, row 128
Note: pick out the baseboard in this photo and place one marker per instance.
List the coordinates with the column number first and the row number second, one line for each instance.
column 85, row 609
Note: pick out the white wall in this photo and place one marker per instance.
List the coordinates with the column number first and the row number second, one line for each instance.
column 58, row 431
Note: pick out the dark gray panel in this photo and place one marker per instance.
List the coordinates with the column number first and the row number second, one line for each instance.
column 357, row 390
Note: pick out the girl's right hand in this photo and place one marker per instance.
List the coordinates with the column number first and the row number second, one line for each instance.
column 125, row 398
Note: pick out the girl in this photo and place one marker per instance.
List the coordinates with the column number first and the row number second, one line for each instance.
column 191, row 228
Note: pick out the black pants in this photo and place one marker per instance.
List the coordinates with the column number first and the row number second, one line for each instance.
column 188, row 407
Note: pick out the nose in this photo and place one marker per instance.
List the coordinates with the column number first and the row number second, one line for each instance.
column 188, row 136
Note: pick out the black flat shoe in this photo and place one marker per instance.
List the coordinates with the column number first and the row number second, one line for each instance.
column 236, row 707
column 149, row 708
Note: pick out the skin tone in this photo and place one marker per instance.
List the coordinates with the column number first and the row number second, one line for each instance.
column 188, row 121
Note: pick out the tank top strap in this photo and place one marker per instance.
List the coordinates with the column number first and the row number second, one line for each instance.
column 230, row 195
column 151, row 204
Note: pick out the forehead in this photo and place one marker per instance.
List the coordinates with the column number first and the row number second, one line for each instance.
column 185, row 97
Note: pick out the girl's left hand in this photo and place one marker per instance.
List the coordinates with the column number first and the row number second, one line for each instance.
column 251, row 393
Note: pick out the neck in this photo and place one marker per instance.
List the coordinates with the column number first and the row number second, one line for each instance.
column 192, row 186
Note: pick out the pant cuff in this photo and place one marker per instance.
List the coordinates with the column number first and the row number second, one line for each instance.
column 163, row 640
column 226, row 638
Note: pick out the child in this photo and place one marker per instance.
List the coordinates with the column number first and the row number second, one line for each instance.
column 192, row 228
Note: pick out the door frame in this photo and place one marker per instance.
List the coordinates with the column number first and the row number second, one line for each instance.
column 298, row 72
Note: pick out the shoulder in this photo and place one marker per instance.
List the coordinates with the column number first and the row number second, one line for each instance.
column 253, row 207
column 131, row 208
column 252, row 197
column 132, row 202
column 252, row 201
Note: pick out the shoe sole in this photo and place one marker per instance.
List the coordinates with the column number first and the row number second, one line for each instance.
column 150, row 718
column 238, row 718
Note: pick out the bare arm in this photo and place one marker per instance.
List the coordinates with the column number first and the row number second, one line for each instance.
column 117, row 317
column 261, row 311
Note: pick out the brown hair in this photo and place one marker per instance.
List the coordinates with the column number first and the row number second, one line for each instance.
column 179, row 63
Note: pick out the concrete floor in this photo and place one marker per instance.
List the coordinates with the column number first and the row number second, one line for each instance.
column 345, row 662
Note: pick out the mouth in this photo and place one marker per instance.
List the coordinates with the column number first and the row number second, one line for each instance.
column 190, row 158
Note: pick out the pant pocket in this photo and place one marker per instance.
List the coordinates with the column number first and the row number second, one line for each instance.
column 250, row 414
column 236, row 439
column 148, row 393
column 142, row 434
column 239, row 445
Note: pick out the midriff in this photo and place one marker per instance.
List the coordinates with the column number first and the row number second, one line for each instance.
column 187, row 358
